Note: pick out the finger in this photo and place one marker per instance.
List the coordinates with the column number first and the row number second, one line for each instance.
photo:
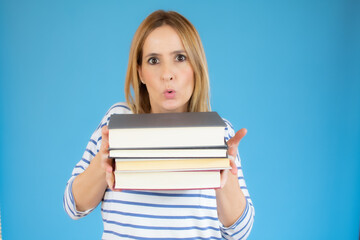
column 233, row 142
column 109, row 176
column 104, row 130
column 109, row 168
column 110, row 181
column 104, row 138
column 233, row 166
column 104, row 148
column 223, row 177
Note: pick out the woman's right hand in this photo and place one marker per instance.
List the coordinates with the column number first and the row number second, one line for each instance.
column 106, row 163
column 88, row 187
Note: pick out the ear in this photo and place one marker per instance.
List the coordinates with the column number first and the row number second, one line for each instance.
column 140, row 74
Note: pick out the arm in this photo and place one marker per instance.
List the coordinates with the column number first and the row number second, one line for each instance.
column 91, row 176
column 86, row 188
column 89, row 187
column 230, row 199
column 81, row 168
column 235, row 209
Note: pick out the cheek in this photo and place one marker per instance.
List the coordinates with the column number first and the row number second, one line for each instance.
column 190, row 82
column 148, row 75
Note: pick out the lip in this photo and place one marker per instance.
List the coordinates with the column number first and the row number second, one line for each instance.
column 169, row 93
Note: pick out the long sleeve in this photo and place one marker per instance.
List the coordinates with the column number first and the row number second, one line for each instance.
column 242, row 227
column 91, row 150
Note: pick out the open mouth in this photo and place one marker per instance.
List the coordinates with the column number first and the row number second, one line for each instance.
column 169, row 93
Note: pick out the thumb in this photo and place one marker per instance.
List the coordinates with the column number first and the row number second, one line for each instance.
column 104, row 138
column 234, row 141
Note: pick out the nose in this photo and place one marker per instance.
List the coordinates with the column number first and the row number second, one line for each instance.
column 167, row 72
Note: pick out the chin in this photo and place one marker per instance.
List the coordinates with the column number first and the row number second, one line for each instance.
column 174, row 108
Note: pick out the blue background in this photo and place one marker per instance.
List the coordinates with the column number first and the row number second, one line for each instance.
column 288, row 71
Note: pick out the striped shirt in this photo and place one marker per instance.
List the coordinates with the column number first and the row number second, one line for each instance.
column 183, row 214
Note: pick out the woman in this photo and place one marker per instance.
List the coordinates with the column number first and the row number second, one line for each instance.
column 167, row 72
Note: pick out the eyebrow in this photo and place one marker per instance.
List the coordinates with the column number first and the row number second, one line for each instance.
column 173, row 53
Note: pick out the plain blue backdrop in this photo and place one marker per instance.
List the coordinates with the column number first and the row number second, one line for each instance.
column 288, row 71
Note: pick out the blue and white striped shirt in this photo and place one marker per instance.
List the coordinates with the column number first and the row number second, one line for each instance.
column 183, row 214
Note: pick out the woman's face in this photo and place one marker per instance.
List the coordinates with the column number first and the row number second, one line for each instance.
column 166, row 71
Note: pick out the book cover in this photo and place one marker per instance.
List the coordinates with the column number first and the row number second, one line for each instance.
column 206, row 152
column 167, row 180
column 172, row 164
column 166, row 130
column 166, row 120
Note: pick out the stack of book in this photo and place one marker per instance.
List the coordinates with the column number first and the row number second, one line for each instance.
column 168, row 151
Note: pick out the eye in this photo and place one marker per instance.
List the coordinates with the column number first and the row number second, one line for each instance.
column 153, row 61
column 180, row 58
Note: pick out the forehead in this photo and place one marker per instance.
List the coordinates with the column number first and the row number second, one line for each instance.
column 162, row 40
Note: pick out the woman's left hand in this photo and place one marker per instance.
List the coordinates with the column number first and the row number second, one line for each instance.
column 233, row 144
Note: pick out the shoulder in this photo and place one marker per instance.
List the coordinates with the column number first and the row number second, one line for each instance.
column 117, row 108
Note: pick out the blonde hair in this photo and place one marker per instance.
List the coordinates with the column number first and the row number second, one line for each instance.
column 140, row 103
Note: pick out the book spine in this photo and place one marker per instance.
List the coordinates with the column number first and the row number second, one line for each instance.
column 160, row 189
column 174, row 170
column 173, row 148
column 161, row 158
